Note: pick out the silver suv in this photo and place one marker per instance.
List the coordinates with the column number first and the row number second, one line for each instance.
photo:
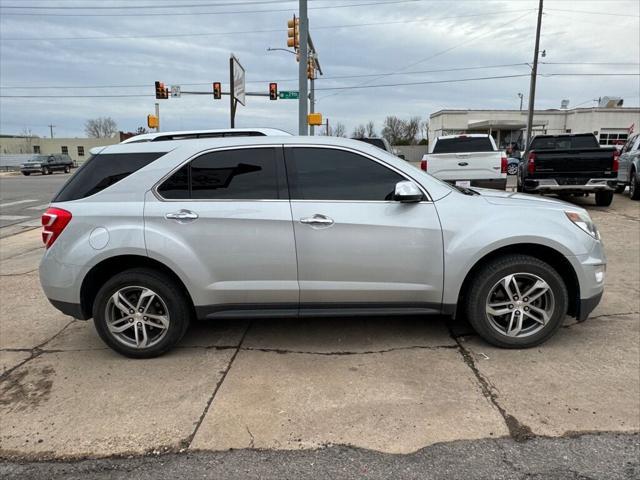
column 148, row 236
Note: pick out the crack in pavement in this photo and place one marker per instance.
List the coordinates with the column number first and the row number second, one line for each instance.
column 18, row 274
column 35, row 352
column 517, row 430
column 347, row 352
column 186, row 443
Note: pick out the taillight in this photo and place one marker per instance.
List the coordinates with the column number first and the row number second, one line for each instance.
column 423, row 165
column 616, row 160
column 503, row 165
column 531, row 164
column 54, row 220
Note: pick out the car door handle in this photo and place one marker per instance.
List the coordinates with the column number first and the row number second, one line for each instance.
column 463, row 164
column 317, row 219
column 182, row 215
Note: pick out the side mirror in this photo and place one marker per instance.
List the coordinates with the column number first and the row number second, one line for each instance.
column 407, row 192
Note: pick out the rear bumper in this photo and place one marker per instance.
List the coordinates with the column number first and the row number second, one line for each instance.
column 494, row 183
column 569, row 185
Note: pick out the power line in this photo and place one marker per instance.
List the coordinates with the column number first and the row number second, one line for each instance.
column 366, row 4
column 145, row 7
column 351, row 87
column 586, row 12
column 207, row 34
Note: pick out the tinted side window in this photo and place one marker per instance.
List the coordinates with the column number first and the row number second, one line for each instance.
column 235, row 174
column 246, row 174
column 102, row 171
column 329, row 174
column 177, row 185
column 463, row 145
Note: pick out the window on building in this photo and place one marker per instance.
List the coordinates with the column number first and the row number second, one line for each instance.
column 36, row 149
column 65, row 150
column 612, row 138
column 80, row 151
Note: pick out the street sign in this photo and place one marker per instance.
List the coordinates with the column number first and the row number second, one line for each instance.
column 175, row 90
column 238, row 80
column 288, row 95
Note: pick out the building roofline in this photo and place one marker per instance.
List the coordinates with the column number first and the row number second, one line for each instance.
column 550, row 111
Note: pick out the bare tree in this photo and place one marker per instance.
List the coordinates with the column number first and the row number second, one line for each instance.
column 141, row 130
column 28, row 135
column 371, row 129
column 359, row 132
column 393, row 129
column 339, row 130
column 411, row 129
column 424, row 132
column 102, row 127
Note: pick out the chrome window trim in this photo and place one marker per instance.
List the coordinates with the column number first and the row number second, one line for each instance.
column 406, row 176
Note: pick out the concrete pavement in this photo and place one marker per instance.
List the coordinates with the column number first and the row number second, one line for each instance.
column 389, row 385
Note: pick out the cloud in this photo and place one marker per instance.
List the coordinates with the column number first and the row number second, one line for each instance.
column 436, row 35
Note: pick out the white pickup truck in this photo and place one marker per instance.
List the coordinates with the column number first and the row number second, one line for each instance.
column 466, row 161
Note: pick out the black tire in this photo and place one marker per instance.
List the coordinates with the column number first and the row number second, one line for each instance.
column 620, row 188
column 634, row 187
column 67, row 169
column 46, row 171
column 604, row 199
column 26, row 174
column 177, row 303
column 482, row 284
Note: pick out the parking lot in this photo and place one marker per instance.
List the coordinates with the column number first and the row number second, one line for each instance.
column 387, row 385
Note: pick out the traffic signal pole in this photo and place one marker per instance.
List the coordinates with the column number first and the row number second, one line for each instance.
column 302, row 69
column 312, row 103
column 158, row 116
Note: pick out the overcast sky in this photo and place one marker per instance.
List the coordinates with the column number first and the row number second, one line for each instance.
column 402, row 41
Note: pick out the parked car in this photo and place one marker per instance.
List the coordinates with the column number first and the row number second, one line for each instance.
column 146, row 236
column 47, row 164
column 570, row 164
column 216, row 133
column 467, row 160
column 629, row 167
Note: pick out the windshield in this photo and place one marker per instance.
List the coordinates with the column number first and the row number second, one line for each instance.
column 37, row 159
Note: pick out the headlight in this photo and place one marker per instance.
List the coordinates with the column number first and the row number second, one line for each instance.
column 583, row 220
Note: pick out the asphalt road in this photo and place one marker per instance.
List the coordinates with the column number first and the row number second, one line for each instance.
column 606, row 456
column 23, row 199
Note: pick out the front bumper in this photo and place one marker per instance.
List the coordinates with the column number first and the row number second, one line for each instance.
column 30, row 169
column 570, row 185
column 587, row 305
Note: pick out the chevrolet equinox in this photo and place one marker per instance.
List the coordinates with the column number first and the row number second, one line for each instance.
column 148, row 236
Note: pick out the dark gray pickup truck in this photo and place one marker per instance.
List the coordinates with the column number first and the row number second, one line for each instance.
column 571, row 164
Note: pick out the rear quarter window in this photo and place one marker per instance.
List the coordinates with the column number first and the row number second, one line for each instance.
column 102, row 171
column 463, row 145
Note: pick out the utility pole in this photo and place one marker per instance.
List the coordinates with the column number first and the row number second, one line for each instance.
column 158, row 116
column 231, row 96
column 51, row 129
column 534, row 74
column 302, row 69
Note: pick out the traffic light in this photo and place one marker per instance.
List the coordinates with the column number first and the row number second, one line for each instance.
column 217, row 90
column 293, row 33
column 273, row 91
column 311, row 71
column 162, row 92
column 152, row 121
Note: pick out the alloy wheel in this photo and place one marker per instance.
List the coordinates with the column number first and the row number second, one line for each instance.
column 520, row 305
column 137, row 317
column 512, row 169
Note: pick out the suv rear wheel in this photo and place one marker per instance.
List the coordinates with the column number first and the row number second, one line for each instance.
column 517, row 301
column 141, row 313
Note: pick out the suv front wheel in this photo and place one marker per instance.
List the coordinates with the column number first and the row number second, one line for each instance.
column 517, row 301
column 141, row 313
